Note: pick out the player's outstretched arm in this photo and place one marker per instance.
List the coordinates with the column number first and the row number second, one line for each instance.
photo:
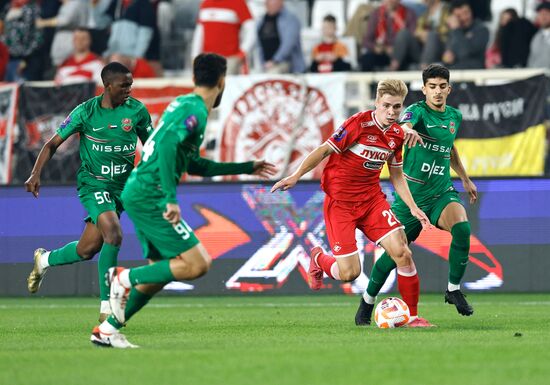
column 309, row 163
column 206, row 167
column 264, row 169
column 50, row 147
column 411, row 136
column 458, row 167
column 402, row 188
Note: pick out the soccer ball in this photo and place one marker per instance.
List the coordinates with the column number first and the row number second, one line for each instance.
column 391, row 312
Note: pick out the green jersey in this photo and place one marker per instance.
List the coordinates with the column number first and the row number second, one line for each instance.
column 427, row 167
column 108, row 138
column 173, row 149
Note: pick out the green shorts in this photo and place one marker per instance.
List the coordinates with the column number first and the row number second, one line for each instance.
column 98, row 200
column 432, row 209
column 159, row 239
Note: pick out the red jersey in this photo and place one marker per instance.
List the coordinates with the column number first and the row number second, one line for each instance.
column 362, row 147
column 72, row 71
column 221, row 21
column 143, row 69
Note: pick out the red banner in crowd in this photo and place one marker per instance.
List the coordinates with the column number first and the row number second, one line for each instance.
column 8, row 98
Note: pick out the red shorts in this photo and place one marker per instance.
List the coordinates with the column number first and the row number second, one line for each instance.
column 373, row 217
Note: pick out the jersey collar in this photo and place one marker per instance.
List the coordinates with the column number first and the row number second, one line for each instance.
column 380, row 127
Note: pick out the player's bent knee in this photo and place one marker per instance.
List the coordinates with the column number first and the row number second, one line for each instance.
column 202, row 268
column 87, row 253
column 350, row 274
column 461, row 231
column 113, row 237
column 402, row 256
column 86, row 257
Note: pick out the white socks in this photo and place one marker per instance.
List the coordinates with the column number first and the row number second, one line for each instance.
column 105, row 307
column 453, row 287
column 368, row 299
column 107, row 328
column 43, row 261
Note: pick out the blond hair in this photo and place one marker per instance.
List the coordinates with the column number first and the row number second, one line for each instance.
column 391, row 87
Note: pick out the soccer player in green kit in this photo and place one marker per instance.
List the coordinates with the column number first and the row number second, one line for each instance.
column 149, row 198
column 427, row 170
column 109, row 126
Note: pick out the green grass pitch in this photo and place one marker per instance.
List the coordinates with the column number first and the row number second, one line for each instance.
column 277, row 340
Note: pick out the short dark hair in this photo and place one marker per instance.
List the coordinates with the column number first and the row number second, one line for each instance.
column 111, row 69
column 435, row 71
column 208, row 68
column 459, row 4
column 330, row 18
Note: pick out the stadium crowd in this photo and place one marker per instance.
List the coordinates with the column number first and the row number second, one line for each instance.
column 70, row 40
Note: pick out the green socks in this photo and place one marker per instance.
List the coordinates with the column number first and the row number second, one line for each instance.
column 458, row 252
column 65, row 255
column 136, row 301
column 107, row 258
column 380, row 272
column 158, row 272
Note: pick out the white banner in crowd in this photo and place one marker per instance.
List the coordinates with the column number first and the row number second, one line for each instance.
column 8, row 99
column 261, row 115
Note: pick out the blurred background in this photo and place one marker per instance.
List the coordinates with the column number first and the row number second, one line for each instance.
column 296, row 70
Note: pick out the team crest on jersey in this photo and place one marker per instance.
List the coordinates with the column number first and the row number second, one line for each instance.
column 337, row 248
column 191, row 123
column 339, row 134
column 66, row 122
column 407, row 116
column 391, row 143
column 452, row 127
column 372, row 138
column 126, row 124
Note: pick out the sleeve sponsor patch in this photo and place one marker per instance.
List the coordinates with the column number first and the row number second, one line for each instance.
column 339, row 134
column 66, row 122
column 407, row 116
column 191, row 123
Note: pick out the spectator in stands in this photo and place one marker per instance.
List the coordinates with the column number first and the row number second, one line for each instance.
column 389, row 32
column 511, row 46
column 225, row 27
column 139, row 67
column 468, row 38
column 100, row 17
column 279, row 39
column 42, row 60
column 431, row 32
column 83, row 65
column 22, row 38
column 72, row 14
column 539, row 56
column 4, row 58
column 132, row 29
column 481, row 9
column 357, row 25
column 152, row 55
column 330, row 55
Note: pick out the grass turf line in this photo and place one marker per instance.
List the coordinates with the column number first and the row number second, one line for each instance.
column 277, row 340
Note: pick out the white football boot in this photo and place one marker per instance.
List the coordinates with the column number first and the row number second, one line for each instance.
column 112, row 340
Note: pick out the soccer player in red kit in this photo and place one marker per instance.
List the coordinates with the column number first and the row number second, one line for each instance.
column 354, row 199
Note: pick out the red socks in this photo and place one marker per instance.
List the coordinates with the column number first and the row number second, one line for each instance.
column 409, row 287
column 328, row 264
